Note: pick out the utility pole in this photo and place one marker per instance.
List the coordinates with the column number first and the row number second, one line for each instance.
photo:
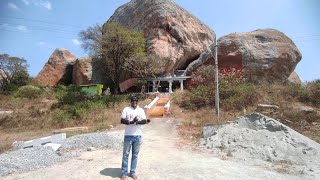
column 216, row 79
column 216, row 70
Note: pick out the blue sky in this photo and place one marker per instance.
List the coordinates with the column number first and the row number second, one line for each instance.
column 32, row 29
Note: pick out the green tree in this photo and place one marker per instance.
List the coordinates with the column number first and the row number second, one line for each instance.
column 114, row 45
column 13, row 72
column 145, row 66
column 92, row 39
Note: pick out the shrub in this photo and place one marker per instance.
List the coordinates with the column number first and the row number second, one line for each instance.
column 60, row 117
column 234, row 92
column 291, row 91
column 308, row 93
column 312, row 93
column 29, row 91
column 297, row 116
column 201, row 96
column 70, row 94
column 236, row 96
column 202, row 75
column 74, row 113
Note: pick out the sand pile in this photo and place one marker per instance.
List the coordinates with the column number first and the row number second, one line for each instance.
column 256, row 136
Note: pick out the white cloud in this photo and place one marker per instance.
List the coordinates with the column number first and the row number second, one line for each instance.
column 13, row 6
column 41, row 3
column 26, row 2
column 22, row 28
column 76, row 42
column 41, row 43
column 46, row 4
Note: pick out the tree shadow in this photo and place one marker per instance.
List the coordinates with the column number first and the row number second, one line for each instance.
column 112, row 172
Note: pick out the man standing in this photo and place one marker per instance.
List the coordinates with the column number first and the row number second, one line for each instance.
column 133, row 116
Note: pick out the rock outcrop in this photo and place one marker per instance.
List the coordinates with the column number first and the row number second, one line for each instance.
column 58, row 69
column 171, row 32
column 265, row 55
column 206, row 57
column 82, row 71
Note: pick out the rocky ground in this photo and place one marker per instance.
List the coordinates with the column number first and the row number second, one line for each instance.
column 254, row 147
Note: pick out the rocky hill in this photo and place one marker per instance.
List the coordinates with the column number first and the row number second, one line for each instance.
column 174, row 34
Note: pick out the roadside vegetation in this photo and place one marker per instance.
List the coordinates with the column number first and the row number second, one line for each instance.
column 298, row 104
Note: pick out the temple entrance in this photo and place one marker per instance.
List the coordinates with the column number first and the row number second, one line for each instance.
column 166, row 84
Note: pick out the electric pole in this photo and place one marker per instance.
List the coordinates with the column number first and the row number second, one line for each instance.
column 216, row 79
column 216, row 70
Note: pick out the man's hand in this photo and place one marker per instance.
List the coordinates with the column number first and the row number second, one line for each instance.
column 135, row 119
column 132, row 122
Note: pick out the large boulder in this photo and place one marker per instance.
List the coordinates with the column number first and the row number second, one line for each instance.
column 58, row 69
column 266, row 55
column 172, row 33
column 82, row 71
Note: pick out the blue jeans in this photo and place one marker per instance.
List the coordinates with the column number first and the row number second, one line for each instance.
column 135, row 142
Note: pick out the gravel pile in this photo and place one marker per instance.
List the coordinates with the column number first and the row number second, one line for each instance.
column 259, row 137
column 112, row 140
column 24, row 160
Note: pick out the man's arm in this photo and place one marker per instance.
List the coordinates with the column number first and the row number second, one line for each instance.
column 143, row 121
column 125, row 121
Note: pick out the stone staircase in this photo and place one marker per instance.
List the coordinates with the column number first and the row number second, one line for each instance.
column 160, row 107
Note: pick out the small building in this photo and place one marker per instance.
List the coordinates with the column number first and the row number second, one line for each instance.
column 92, row 89
column 164, row 83
column 167, row 82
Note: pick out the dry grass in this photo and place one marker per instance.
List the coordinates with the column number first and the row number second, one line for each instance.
column 101, row 119
column 192, row 122
column 31, row 116
column 7, row 137
column 313, row 132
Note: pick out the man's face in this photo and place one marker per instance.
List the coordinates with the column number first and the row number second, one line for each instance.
column 134, row 104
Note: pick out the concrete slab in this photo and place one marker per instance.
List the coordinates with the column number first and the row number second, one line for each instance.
column 42, row 141
column 54, row 146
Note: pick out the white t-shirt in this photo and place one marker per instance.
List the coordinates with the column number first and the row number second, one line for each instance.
column 129, row 113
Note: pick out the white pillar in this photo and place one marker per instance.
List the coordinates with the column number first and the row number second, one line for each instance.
column 153, row 86
column 181, row 85
column 170, row 86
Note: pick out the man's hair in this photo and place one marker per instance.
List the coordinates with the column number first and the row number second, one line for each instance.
column 134, row 98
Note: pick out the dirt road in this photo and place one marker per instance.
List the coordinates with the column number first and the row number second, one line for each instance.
column 159, row 158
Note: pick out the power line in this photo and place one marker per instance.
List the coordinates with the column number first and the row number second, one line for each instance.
column 29, row 35
column 41, row 21
column 40, row 28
